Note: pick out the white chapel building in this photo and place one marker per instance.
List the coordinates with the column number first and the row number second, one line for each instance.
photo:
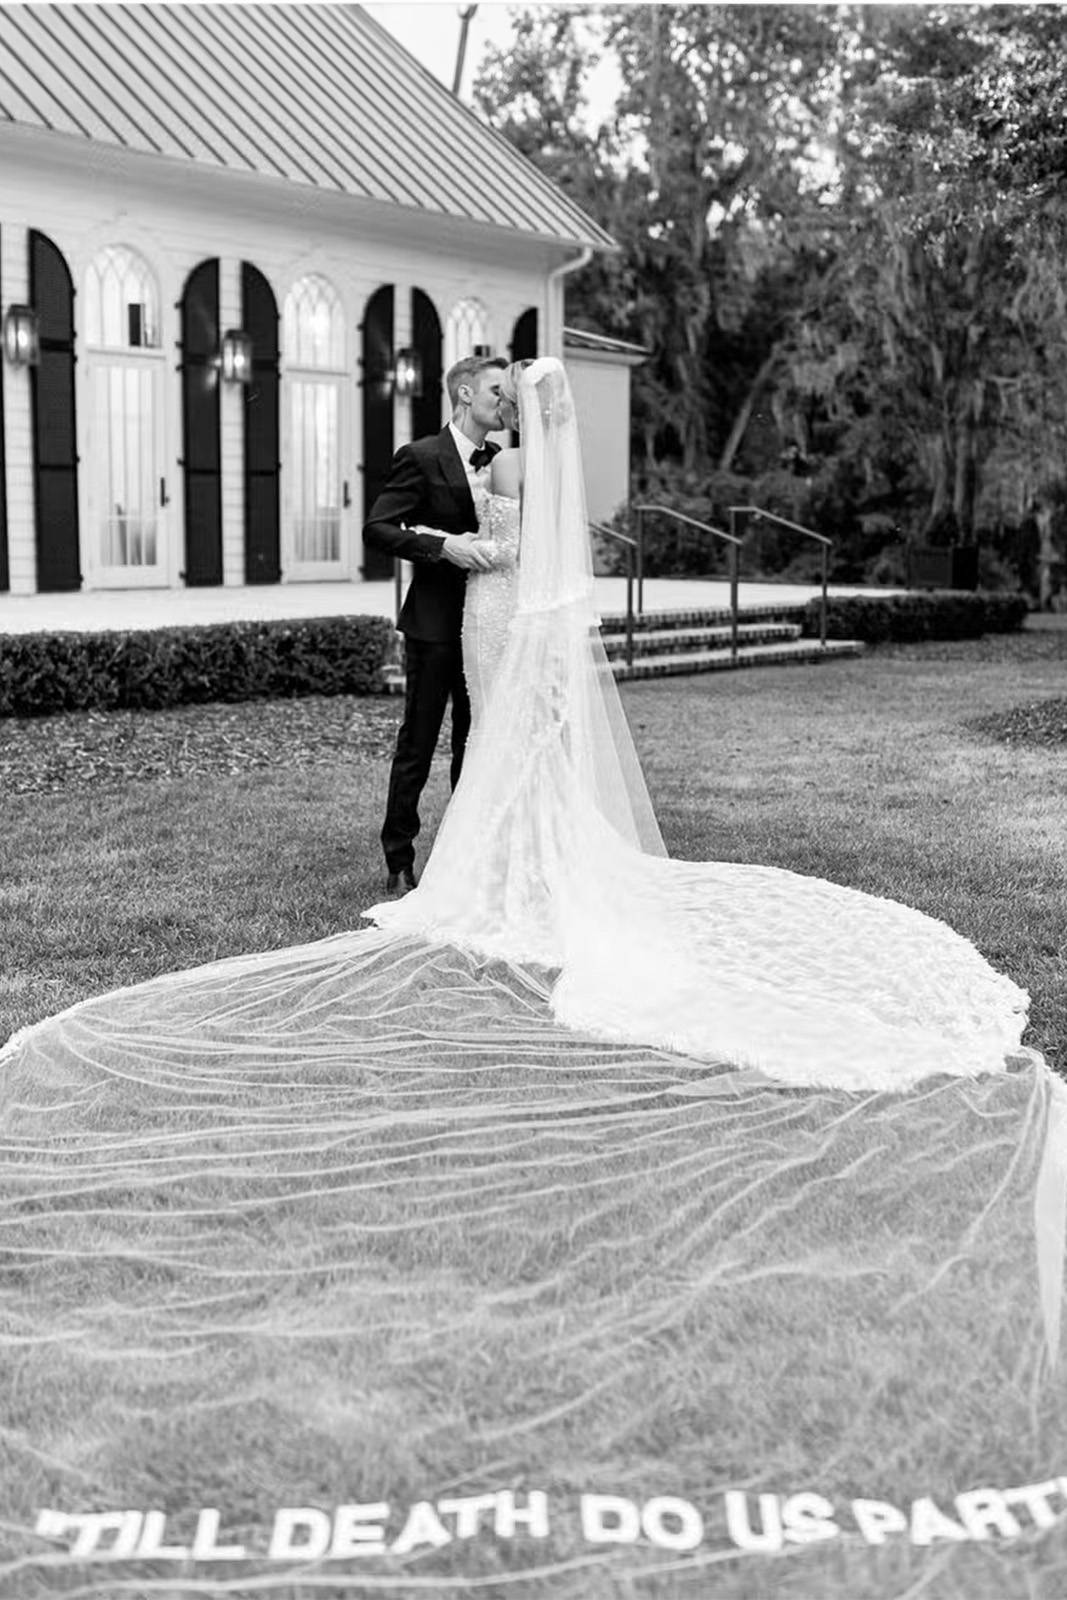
column 239, row 245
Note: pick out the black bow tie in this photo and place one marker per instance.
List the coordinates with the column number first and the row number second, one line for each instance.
column 482, row 456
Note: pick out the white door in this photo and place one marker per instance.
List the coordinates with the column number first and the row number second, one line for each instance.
column 126, row 540
column 318, row 490
column 316, row 537
column 127, row 490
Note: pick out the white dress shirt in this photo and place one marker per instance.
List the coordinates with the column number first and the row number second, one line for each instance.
column 466, row 447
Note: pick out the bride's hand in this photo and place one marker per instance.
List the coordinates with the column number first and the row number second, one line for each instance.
column 463, row 551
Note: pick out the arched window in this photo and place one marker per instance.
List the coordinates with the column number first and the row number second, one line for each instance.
column 313, row 341
column 466, row 332
column 121, row 301
column 126, row 485
column 314, row 325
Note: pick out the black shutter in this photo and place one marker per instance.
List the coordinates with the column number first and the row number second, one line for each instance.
column 55, row 452
column 201, row 458
column 377, row 413
column 426, row 338
column 524, row 336
column 259, row 319
column 5, row 570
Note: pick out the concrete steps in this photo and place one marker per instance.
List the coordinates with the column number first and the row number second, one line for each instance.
column 676, row 643
column 683, row 663
column 681, row 642
column 703, row 617
column 689, row 640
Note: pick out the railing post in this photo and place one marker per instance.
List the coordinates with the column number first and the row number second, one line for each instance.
column 640, row 562
column 825, row 575
column 733, row 602
column 629, row 605
column 398, row 584
column 734, row 564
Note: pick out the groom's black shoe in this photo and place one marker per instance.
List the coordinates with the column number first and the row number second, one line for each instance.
column 399, row 883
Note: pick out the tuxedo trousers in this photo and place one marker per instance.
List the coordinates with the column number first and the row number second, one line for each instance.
column 434, row 675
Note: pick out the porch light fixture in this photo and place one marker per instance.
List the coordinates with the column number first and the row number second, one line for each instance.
column 407, row 378
column 22, row 337
column 236, row 356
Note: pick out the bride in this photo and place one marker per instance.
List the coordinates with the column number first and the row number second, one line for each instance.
column 583, row 1168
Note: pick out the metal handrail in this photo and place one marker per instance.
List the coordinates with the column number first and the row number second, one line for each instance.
column 705, row 527
column 758, row 514
column 631, row 546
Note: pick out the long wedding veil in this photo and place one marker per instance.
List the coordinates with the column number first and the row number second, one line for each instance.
column 380, row 1224
column 555, row 594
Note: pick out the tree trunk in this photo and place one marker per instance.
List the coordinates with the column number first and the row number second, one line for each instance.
column 744, row 416
column 1046, row 556
column 965, row 486
column 935, row 457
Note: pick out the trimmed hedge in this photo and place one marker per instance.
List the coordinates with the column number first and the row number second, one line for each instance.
column 926, row 614
column 149, row 669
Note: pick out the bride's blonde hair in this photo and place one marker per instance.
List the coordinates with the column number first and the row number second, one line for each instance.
column 509, row 382
column 553, row 396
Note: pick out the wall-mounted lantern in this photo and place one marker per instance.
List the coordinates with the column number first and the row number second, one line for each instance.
column 236, row 356
column 22, row 338
column 407, row 378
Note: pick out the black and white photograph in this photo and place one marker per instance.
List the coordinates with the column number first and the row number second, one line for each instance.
column 533, row 800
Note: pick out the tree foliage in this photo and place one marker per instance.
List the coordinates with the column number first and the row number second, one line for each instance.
column 841, row 235
column 949, row 294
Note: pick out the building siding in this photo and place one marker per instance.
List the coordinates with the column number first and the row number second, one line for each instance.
column 602, row 399
column 81, row 218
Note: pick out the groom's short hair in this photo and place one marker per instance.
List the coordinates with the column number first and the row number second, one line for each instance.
column 465, row 371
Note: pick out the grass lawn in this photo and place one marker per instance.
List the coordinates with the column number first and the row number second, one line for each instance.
column 434, row 1279
column 860, row 771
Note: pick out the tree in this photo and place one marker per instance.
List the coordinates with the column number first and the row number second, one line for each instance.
column 712, row 142
column 840, row 234
column 949, row 150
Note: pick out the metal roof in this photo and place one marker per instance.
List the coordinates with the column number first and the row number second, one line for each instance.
column 318, row 95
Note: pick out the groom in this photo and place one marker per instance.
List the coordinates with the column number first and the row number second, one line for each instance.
column 431, row 482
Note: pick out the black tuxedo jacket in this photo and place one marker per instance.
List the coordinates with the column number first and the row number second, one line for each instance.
column 427, row 483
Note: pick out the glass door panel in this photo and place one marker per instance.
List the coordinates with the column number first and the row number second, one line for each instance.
column 126, row 517
column 316, row 476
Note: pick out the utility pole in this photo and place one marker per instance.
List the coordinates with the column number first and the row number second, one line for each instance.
column 465, row 21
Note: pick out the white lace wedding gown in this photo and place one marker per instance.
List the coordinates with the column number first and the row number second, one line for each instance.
column 585, row 1169
column 808, row 981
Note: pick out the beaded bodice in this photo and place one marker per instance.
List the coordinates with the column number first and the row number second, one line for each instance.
column 490, row 597
column 498, row 527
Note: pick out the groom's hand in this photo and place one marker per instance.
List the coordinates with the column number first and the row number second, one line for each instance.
column 462, row 551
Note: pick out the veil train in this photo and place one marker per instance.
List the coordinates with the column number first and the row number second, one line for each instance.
column 583, row 1170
